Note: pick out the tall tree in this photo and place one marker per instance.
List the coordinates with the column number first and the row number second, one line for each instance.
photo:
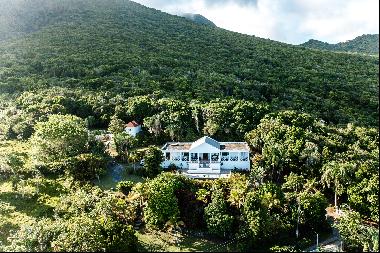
column 152, row 161
column 60, row 137
column 336, row 175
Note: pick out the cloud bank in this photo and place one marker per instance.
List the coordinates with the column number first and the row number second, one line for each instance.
column 291, row 21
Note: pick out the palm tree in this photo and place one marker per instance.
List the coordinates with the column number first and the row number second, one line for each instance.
column 133, row 158
column 336, row 175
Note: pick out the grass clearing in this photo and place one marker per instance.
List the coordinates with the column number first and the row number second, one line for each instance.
column 32, row 200
column 108, row 181
column 153, row 240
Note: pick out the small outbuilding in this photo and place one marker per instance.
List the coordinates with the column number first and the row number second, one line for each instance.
column 132, row 128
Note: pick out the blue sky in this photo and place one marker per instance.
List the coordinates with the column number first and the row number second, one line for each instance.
column 290, row 21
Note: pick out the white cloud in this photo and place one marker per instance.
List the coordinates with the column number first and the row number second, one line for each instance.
column 291, row 21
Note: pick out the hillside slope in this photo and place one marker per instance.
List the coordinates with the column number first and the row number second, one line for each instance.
column 127, row 49
column 367, row 44
column 199, row 19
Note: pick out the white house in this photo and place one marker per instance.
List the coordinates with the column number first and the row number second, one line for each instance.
column 206, row 157
column 132, row 128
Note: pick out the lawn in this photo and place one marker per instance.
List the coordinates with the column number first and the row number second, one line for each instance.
column 109, row 180
column 160, row 241
column 27, row 203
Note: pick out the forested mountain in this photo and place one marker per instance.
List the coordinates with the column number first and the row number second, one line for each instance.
column 124, row 47
column 199, row 19
column 71, row 70
column 366, row 43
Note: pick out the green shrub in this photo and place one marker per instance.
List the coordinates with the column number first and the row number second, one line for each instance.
column 219, row 221
column 86, row 166
column 124, row 186
column 162, row 203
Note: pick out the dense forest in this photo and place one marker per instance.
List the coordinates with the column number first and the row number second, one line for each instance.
column 71, row 68
column 365, row 44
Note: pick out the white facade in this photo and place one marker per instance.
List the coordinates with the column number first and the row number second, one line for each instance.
column 132, row 128
column 207, row 156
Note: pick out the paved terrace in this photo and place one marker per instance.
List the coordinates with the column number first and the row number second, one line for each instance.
column 222, row 174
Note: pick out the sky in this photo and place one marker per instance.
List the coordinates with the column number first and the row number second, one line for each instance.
column 290, row 21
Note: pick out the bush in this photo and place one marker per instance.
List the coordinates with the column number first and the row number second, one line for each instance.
column 152, row 161
column 86, row 166
column 283, row 249
column 219, row 222
column 357, row 236
column 313, row 210
column 125, row 186
column 82, row 233
column 52, row 168
column 172, row 167
column 162, row 203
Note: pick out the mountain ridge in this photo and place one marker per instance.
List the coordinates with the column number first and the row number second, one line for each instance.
column 366, row 43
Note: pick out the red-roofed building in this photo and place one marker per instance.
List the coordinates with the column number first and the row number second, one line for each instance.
column 132, row 128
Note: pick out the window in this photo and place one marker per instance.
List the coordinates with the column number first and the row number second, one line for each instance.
column 176, row 156
column 167, row 156
column 215, row 157
column 225, row 156
column 185, row 156
column 243, row 156
column 194, row 157
column 234, row 156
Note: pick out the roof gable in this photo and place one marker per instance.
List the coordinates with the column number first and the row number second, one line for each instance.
column 205, row 140
column 132, row 124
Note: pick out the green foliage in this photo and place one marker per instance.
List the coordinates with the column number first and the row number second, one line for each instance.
column 124, row 186
column 124, row 143
column 162, row 203
column 355, row 234
column 86, row 166
column 80, row 233
column 363, row 192
column 16, row 124
column 62, row 136
column 286, row 143
column 36, row 237
column 263, row 214
column 152, row 161
column 313, row 210
column 85, row 219
column 366, row 43
column 307, row 204
column 283, row 249
column 116, row 125
column 218, row 220
column 238, row 187
column 99, row 71
column 337, row 175
column 112, row 66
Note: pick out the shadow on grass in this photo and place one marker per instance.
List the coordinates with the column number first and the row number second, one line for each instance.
column 5, row 229
column 51, row 188
column 27, row 204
